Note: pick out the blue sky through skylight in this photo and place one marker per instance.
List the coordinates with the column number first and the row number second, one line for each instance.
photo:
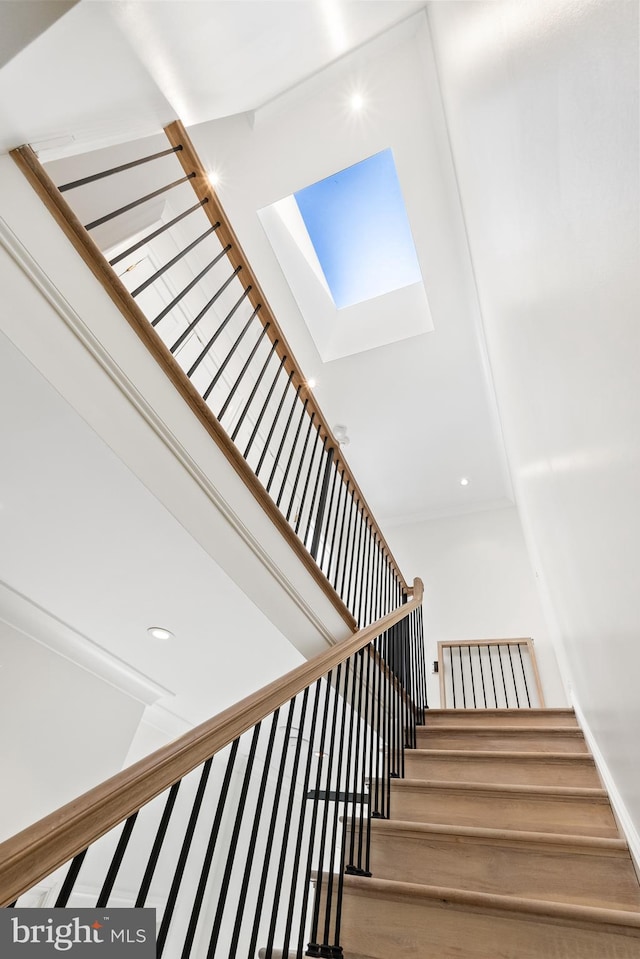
column 358, row 225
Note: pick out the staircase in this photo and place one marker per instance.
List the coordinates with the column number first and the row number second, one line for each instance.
column 501, row 844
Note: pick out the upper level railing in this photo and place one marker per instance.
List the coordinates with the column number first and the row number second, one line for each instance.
column 489, row 674
column 244, row 832
column 175, row 269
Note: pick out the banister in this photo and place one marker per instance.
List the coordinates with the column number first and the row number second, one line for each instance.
column 38, row 850
column 191, row 163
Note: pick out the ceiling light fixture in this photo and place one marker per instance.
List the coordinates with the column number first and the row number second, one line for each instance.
column 159, row 632
column 356, row 102
column 311, row 383
column 464, row 481
column 213, row 178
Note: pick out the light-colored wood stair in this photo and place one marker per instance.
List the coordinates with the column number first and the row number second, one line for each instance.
column 501, row 845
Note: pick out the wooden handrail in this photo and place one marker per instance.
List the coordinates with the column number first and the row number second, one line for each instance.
column 37, row 851
column 191, row 163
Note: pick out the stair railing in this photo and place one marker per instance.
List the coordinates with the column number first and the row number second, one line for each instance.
column 241, row 832
column 489, row 674
column 184, row 284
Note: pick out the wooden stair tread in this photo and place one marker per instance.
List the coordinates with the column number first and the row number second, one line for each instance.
column 504, row 754
column 578, row 792
column 534, row 711
column 599, row 844
column 570, row 912
column 571, row 731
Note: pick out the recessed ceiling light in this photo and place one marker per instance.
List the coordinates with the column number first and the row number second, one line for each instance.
column 159, row 632
column 213, row 177
column 356, row 102
column 464, row 481
column 311, row 383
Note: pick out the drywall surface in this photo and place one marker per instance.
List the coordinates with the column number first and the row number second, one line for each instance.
column 479, row 584
column 65, row 730
column 542, row 106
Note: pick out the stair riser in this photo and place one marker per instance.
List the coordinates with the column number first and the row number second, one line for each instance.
column 529, row 870
column 494, row 739
column 515, row 772
column 582, row 817
column 374, row 928
column 501, row 717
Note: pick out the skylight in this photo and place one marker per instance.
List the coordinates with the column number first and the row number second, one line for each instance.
column 357, row 223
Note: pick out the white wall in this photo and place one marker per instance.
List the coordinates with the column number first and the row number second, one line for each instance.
column 64, row 730
column 542, row 104
column 479, row 584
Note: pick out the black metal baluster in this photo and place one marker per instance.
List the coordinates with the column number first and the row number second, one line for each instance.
column 70, row 880
column 271, row 833
column 314, row 811
column 314, row 943
column 453, row 678
column 234, row 388
column 353, row 600
column 524, row 676
column 303, row 497
column 135, row 203
column 423, row 666
column 322, row 503
column 364, row 579
column 464, row 698
column 342, row 500
column 493, row 679
column 262, row 412
column 231, row 854
column 473, row 685
column 157, row 846
column 351, row 868
column 205, row 309
column 338, row 866
column 504, row 685
column 162, row 229
column 242, row 898
column 292, row 451
column 374, row 778
column 267, row 445
column 300, row 465
column 256, row 386
column 287, row 823
column 117, row 169
column 338, row 481
column 365, row 801
column 116, row 862
column 301, row 821
column 283, row 438
column 182, row 859
column 329, row 517
column 484, row 695
column 194, row 282
column 176, row 259
column 349, row 550
column 515, row 685
column 238, row 340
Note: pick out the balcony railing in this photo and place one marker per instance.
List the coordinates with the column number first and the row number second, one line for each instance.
column 154, row 233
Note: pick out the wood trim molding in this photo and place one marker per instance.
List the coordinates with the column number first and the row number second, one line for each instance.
column 37, row 851
column 190, row 162
column 46, row 189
